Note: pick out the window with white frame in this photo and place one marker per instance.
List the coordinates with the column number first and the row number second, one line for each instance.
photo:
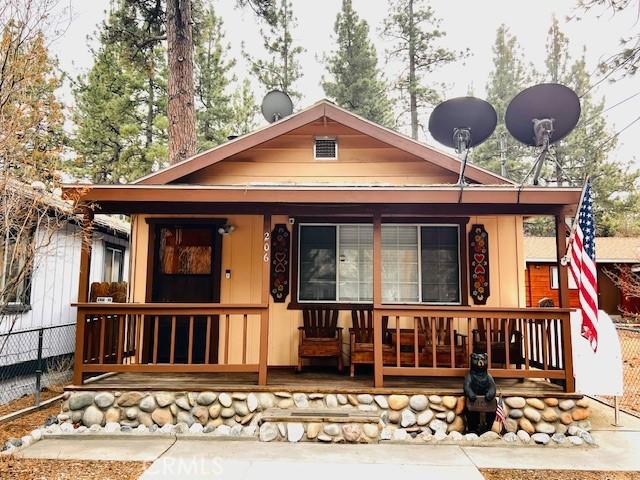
column 420, row 263
column 113, row 263
column 15, row 268
column 555, row 281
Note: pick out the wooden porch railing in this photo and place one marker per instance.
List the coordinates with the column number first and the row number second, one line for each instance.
column 128, row 337
column 437, row 341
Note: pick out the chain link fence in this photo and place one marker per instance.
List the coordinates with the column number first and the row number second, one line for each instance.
column 629, row 336
column 34, row 359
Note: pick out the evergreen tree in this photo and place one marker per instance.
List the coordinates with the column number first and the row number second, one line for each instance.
column 244, row 110
column 213, row 75
column 357, row 82
column 502, row 153
column 282, row 68
column 586, row 150
column 415, row 31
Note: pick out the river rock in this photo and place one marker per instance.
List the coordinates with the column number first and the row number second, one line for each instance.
column 586, row 436
column 130, row 399
column 186, row 418
column 92, row 416
column 104, row 399
column 393, row 416
column 580, row 414
column 295, row 431
column 524, row 436
column 511, row 425
column 439, row 435
column 575, row 440
column 400, row 435
column 364, row 398
column 540, row 438
column 551, row 402
column 162, row 416
column 566, row 418
column 342, row 399
column 300, row 400
column 331, row 401
column 515, row 413
column 381, row 400
column 489, row 436
column 148, row 404
column 437, row 425
column 268, row 432
column 549, row 415
column 532, row 414
column 201, row 414
column 225, row 399
column 351, row 432
column 407, row 418
column 457, row 425
column 240, row 408
column 164, row 399
column 227, row 413
column 370, row 430
column 510, row 437
column 583, row 402
column 332, row 429
column 323, row 437
column 252, row 402
column 313, row 429
column 112, row 415
column 214, row 410
column 206, row 398
column 460, row 405
column 266, row 400
column 435, row 399
column 515, row 402
column 418, row 402
column 471, row 437
column 544, row 427
column 183, row 402
column 449, row 401
column 285, row 403
column 535, row 403
column 425, row 417
column 566, row 405
column 398, row 402
column 80, row 400
column 526, row 425
column 131, row 413
column 450, row 416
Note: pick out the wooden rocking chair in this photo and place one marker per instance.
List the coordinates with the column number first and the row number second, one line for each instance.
column 450, row 346
column 320, row 336
column 500, row 333
column 361, row 340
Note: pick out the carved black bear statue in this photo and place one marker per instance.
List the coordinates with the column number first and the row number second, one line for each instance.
column 480, row 412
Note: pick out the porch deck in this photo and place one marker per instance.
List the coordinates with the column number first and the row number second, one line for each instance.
column 310, row 381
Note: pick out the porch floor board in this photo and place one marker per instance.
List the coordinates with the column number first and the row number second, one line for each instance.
column 310, row 380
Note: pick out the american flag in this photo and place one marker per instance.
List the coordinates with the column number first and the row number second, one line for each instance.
column 501, row 415
column 582, row 264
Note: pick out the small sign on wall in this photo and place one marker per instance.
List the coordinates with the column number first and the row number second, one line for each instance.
column 479, row 264
column 104, row 299
column 280, row 246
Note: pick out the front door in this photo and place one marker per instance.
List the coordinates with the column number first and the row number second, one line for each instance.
column 187, row 263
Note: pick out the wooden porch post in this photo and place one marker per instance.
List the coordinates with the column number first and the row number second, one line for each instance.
column 563, row 300
column 264, row 315
column 378, row 377
column 83, row 292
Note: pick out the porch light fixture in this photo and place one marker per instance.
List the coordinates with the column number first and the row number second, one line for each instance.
column 226, row 229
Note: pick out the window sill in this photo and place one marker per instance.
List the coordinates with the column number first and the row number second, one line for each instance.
column 15, row 308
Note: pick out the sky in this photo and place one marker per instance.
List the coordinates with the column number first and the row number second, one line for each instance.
column 469, row 24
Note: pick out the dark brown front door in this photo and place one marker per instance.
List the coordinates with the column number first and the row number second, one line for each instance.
column 187, row 263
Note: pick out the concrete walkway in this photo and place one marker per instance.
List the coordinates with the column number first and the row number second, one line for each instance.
column 247, row 460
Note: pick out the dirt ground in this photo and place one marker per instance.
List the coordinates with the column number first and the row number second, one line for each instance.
column 493, row 474
column 30, row 469
column 24, row 425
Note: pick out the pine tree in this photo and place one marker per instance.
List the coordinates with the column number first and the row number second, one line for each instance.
column 212, row 78
column 356, row 82
column 244, row 110
column 415, row 31
column 282, row 68
column 586, row 150
column 502, row 153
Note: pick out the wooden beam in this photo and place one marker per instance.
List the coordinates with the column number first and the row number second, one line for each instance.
column 264, row 299
column 83, row 293
column 563, row 296
column 378, row 376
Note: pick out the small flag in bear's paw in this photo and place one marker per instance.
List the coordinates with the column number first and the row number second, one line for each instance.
column 500, row 412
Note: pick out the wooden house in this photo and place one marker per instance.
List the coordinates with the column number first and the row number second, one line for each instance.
column 542, row 273
column 324, row 235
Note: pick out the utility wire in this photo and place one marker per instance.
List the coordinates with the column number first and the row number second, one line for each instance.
column 591, row 119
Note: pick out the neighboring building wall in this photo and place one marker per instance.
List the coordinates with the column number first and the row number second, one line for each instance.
column 242, row 254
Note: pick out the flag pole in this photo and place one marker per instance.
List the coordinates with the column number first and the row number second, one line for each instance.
column 565, row 258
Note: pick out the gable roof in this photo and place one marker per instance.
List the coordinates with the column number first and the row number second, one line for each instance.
column 322, row 109
column 608, row 249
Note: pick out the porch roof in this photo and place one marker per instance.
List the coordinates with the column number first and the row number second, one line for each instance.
column 140, row 198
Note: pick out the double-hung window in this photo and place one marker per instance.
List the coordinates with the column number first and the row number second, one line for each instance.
column 15, row 268
column 113, row 263
column 420, row 263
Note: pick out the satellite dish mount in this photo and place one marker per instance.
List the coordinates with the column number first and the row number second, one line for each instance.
column 276, row 105
column 462, row 123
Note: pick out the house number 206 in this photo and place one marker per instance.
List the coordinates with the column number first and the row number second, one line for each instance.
column 266, row 246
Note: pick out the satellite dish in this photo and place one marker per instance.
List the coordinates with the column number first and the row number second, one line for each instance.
column 541, row 116
column 462, row 123
column 276, row 105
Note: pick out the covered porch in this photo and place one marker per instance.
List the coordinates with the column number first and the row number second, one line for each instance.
column 414, row 346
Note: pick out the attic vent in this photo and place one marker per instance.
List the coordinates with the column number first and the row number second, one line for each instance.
column 325, row 148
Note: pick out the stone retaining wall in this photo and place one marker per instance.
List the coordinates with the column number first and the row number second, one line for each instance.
column 395, row 417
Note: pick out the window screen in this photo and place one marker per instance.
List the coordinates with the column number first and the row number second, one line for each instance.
column 440, row 264
column 317, row 263
column 326, row 148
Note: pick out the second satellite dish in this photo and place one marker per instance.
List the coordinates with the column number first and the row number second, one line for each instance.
column 543, row 114
column 276, row 105
column 462, row 122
